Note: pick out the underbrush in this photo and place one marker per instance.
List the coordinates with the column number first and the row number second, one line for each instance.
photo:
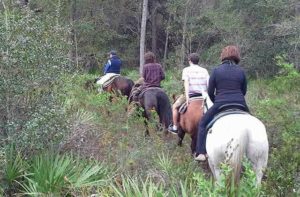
column 104, row 151
column 277, row 103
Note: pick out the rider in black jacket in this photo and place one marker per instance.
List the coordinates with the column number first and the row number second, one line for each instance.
column 227, row 84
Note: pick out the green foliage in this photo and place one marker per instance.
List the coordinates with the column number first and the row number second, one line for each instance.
column 52, row 174
column 165, row 163
column 14, row 168
column 279, row 109
column 33, row 57
column 135, row 187
column 226, row 186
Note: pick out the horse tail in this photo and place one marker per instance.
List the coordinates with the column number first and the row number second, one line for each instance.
column 235, row 151
column 164, row 109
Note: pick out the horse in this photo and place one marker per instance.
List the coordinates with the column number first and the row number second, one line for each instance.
column 233, row 136
column 155, row 98
column 189, row 120
column 119, row 85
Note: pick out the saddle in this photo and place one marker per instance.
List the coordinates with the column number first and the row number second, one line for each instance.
column 182, row 109
column 146, row 89
column 227, row 109
column 110, row 80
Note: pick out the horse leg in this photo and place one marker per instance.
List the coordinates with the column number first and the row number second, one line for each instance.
column 257, row 150
column 147, row 116
column 216, row 171
column 258, row 159
column 194, row 142
column 181, row 135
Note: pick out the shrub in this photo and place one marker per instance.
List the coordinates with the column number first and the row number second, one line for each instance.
column 55, row 175
column 33, row 57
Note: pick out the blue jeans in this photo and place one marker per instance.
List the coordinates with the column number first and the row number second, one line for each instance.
column 202, row 132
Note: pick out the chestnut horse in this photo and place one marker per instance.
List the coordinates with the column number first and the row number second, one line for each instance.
column 188, row 121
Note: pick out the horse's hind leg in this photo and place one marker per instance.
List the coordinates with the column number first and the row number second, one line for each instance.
column 259, row 162
column 147, row 116
column 216, row 171
column 181, row 135
column 194, row 142
column 257, row 153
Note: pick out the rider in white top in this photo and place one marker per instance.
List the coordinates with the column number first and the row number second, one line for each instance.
column 195, row 79
column 195, row 84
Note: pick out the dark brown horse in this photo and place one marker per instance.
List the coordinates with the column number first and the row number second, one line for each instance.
column 120, row 85
column 188, row 122
column 156, row 99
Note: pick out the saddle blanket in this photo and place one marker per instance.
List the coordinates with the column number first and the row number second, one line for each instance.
column 183, row 107
column 109, row 80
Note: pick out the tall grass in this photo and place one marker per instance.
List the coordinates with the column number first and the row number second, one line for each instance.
column 14, row 169
column 53, row 174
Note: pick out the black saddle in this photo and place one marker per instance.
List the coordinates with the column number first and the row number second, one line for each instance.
column 232, row 106
column 227, row 109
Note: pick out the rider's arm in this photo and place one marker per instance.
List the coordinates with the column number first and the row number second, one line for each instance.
column 212, row 86
column 186, row 89
column 185, row 79
column 107, row 66
column 244, row 85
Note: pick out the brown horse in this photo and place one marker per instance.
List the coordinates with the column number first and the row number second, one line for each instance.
column 156, row 99
column 188, row 121
column 120, row 85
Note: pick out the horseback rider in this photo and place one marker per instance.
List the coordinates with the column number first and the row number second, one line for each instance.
column 227, row 85
column 195, row 80
column 152, row 75
column 111, row 68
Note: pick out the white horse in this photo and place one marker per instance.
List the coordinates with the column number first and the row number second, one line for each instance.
column 233, row 136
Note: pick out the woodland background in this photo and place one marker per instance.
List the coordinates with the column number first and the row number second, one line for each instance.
column 59, row 138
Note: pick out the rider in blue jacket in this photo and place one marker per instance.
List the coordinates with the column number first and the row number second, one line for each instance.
column 227, row 85
column 113, row 65
column 111, row 68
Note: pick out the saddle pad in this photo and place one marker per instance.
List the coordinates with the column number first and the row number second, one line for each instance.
column 110, row 80
column 182, row 109
column 224, row 113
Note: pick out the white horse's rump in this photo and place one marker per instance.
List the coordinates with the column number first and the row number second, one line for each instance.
column 231, row 137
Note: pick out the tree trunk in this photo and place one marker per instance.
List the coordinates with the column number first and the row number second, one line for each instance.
column 153, row 27
column 297, row 46
column 167, row 39
column 182, row 51
column 143, row 34
column 73, row 48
